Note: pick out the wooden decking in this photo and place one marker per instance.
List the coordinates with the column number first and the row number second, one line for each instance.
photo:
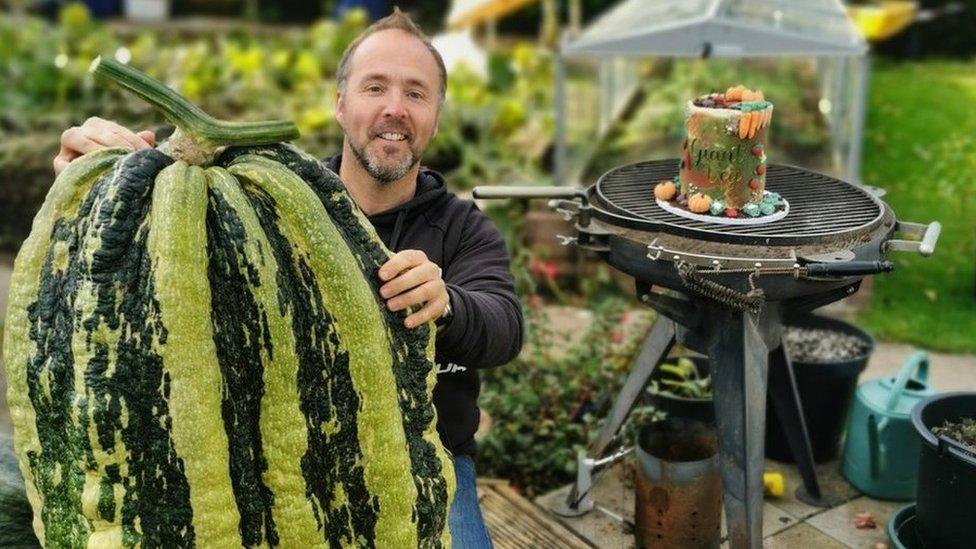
column 516, row 523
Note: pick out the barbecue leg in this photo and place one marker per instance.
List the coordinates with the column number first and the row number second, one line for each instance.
column 738, row 360
column 653, row 351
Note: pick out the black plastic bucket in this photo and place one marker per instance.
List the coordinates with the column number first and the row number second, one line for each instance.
column 946, row 506
column 698, row 409
column 826, row 392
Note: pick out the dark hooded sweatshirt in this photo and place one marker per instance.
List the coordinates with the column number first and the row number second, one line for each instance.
column 486, row 327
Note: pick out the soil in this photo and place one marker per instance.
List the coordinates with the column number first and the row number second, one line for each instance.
column 819, row 345
column 962, row 431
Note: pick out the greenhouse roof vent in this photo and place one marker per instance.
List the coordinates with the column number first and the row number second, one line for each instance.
column 721, row 28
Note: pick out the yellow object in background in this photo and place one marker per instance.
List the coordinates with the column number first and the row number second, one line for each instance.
column 773, row 484
column 881, row 20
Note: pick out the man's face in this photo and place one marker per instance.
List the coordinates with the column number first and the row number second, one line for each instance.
column 388, row 111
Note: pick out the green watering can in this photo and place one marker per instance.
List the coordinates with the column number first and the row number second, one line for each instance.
column 881, row 448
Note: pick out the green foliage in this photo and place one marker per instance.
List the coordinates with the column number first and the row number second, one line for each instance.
column 545, row 405
column 683, row 381
column 962, row 431
column 494, row 131
column 920, row 147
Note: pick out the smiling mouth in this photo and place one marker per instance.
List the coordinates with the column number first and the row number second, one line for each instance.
column 392, row 136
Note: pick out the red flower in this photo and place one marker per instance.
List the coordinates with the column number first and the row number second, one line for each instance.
column 544, row 269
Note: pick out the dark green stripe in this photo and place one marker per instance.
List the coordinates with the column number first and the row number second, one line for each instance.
column 241, row 335
column 411, row 365
column 326, row 393
column 50, row 381
column 113, row 218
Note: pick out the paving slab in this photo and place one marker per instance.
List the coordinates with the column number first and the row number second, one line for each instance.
column 774, row 520
column 838, row 522
column 802, row 536
column 833, row 486
column 947, row 372
column 611, row 525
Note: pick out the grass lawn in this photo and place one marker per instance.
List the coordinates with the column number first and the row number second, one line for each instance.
column 920, row 145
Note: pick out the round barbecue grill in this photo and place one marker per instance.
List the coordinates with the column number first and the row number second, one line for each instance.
column 822, row 207
column 725, row 291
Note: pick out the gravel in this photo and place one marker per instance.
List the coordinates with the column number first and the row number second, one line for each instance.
column 819, row 345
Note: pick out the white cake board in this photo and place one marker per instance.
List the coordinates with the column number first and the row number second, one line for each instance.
column 722, row 220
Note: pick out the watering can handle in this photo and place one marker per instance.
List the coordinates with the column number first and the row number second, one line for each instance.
column 919, row 362
column 874, row 446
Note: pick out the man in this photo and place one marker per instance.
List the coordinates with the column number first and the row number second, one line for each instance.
column 450, row 260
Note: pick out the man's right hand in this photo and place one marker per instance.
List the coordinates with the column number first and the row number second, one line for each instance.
column 95, row 134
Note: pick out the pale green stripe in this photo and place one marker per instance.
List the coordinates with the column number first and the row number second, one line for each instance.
column 283, row 432
column 178, row 248
column 358, row 321
column 431, row 436
column 63, row 200
column 430, row 433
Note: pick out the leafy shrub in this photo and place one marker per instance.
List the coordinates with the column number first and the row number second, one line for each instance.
column 545, row 406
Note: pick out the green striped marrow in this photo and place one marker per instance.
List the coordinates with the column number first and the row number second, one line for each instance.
column 198, row 355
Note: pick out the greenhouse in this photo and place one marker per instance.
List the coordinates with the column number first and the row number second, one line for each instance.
column 667, row 51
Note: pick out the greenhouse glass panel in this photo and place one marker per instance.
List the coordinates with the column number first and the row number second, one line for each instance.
column 639, row 17
column 822, row 20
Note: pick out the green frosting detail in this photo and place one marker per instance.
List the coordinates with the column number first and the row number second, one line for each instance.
column 750, row 106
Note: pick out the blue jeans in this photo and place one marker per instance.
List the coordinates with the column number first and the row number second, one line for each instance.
column 468, row 529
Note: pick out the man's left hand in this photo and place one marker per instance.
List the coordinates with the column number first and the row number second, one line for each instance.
column 412, row 279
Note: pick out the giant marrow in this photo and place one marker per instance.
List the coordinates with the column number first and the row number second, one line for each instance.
column 197, row 353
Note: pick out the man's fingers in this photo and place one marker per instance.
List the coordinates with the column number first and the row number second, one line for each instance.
column 126, row 138
column 411, row 278
column 148, row 136
column 111, row 134
column 401, row 261
column 95, row 134
column 60, row 163
column 79, row 142
column 423, row 293
column 431, row 311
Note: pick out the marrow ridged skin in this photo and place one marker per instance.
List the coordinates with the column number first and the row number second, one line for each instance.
column 412, row 350
column 200, row 357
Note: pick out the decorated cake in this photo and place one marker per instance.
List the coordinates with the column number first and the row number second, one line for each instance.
column 723, row 160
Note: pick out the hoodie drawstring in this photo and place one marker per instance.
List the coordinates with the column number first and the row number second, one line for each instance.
column 397, row 227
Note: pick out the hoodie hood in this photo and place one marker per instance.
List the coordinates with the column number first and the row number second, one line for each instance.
column 431, row 189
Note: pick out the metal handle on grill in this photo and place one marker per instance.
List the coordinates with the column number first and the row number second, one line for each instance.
column 925, row 246
column 526, row 191
column 849, row 268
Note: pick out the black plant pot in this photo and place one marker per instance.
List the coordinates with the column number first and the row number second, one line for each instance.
column 826, row 392
column 945, row 510
column 698, row 409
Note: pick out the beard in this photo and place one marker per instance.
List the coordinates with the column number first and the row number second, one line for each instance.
column 378, row 170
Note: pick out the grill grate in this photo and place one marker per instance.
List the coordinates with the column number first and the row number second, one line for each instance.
column 820, row 206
